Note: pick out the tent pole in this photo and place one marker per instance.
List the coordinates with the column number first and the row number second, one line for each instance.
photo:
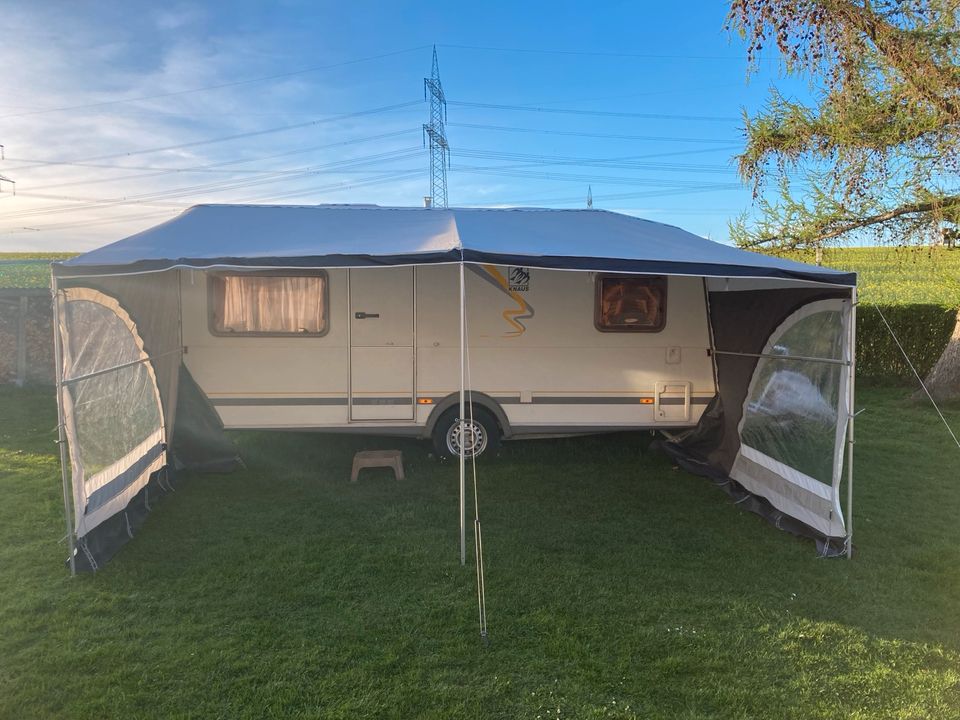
column 850, row 420
column 463, row 472
column 61, row 434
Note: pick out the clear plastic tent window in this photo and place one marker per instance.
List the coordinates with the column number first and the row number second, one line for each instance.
column 791, row 411
column 114, row 421
column 114, row 411
column 795, row 416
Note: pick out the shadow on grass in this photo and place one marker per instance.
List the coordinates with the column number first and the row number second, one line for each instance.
column 618, row 586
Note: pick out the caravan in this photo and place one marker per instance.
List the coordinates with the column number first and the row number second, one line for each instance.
column 376, row 350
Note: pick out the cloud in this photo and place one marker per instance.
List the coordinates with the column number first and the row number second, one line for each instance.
column 177, row 17
column 82, row 178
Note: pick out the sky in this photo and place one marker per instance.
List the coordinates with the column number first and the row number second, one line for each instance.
column 117, row 116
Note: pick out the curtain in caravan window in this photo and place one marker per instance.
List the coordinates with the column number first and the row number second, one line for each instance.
column 269, row 304
column 630, row 304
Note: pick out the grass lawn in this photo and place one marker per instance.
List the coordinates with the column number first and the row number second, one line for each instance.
column 618, row 587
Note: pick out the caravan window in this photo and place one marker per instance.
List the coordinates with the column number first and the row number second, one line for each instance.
column 268, row 304
column 631, row 303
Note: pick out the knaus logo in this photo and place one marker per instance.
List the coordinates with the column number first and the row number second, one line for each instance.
column 519, row 278
column 512, row 284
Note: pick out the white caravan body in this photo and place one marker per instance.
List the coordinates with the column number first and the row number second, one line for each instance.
column 387, row 359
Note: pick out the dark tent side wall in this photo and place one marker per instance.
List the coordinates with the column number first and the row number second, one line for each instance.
column 128, row 404
column 743, row 321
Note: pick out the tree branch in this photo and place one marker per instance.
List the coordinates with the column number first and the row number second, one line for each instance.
column 858, row 223
column 903, row 52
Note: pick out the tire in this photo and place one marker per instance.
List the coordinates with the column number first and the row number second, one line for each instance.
column 446, row 433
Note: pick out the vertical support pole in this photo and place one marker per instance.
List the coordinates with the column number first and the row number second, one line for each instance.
column 349, row 325
column 463, row 470
column 850, row 420
column 22, row 343
column 61, row 429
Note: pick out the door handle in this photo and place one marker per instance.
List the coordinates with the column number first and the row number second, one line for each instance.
column 364, row 316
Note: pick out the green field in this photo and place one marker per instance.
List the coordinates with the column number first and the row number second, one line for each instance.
column 27, row 270
column 898, row 275
column 618, row 587
column 888, row 275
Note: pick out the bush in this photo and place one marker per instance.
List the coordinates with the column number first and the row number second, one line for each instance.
column 923, row 330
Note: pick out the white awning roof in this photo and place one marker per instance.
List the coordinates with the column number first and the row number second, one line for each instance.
column 359, row 235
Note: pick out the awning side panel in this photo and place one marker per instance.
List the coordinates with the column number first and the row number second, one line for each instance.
column 152, row 302
column 794, row 416
column 112, row 408
column 741, row 322
column 775, row 476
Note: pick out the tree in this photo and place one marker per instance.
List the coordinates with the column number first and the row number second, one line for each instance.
column 878, row 149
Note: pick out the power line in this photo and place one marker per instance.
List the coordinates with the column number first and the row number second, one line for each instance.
column 591, row 53
column 91, row 223
column 220, row 167
column 627, row 162
column 226, row 166
column 239, row 136
column 606, row 163
column 258, row 158
column 511, row 170
column 596, row 179
column 319, row 68
column 390, row 177
column 595, row 113
column 574, row 133
column 219, row 86
column 149, row 198
column 521, row 161
column 617, row 196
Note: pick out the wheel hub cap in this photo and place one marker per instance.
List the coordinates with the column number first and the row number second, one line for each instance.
column 472, row 440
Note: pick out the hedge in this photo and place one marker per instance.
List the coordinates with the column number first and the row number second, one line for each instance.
column 923, row 330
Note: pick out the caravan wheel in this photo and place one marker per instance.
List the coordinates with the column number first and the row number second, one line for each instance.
column 479, row 436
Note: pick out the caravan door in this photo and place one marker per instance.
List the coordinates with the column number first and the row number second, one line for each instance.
column 381, row 343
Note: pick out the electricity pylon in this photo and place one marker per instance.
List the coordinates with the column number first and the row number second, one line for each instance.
column 434, row 133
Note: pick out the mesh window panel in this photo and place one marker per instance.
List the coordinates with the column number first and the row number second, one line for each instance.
column 113, row 413
column 99, row 339
column 116, row 411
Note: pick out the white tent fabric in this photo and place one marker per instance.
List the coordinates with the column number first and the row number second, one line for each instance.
column 341, row 235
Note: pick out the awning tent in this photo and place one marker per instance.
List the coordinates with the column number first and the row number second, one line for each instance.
column 130, row 413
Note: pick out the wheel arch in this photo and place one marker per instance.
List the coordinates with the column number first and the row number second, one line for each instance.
column 476, row 398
